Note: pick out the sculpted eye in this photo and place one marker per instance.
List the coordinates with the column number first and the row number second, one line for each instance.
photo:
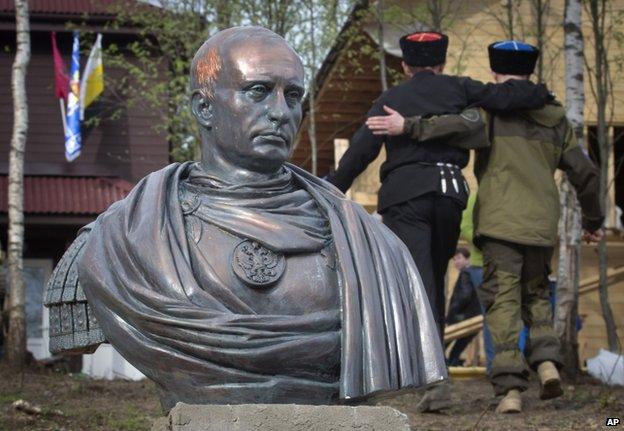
column 294, row 94
column 257, row 90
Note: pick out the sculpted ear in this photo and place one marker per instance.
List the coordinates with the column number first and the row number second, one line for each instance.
column 202, row 109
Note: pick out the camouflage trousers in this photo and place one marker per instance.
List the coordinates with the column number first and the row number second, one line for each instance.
column 515, row 290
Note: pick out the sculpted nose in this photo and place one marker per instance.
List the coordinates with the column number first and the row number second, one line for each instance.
column 278, row 110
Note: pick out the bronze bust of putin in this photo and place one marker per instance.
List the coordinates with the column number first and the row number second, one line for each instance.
column 242, row 278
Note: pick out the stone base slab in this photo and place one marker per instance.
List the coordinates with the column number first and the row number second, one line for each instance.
column 281, row 417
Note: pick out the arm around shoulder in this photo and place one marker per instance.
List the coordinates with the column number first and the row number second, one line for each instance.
column 468, row 130
column 510, row 95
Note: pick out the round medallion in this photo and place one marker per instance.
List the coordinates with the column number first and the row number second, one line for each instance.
column 189, row 203
column 256, row 265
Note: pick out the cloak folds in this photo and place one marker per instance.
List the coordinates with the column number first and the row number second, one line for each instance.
column 200, row 346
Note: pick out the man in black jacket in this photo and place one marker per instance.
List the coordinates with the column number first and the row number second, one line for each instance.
column 423, row 192
column 464, row 303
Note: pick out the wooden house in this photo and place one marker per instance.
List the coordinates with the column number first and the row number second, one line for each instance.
column 349, row 81
column 61, row 197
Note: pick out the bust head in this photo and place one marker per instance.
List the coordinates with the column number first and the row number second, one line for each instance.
column 247, row 89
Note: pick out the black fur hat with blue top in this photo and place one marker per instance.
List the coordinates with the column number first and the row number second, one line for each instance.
column 511, row 57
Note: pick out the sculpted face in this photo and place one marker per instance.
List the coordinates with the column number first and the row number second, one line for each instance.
column 254, row 109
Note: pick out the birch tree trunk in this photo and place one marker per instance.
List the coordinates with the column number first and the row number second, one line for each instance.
column 15, row 353
column 568, row 273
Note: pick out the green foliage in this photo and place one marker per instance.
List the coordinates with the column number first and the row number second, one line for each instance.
column 8, row 398
column 127, row 419
column 405, row 17
column 607, row 401
column 79, row 376
column 151, row 73
column 130, row 420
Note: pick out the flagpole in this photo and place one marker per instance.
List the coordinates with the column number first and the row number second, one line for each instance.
column 62, row 103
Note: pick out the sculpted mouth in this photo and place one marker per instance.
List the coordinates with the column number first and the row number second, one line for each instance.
column 273, row 136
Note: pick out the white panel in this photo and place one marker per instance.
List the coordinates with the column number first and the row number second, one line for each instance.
column 107, row 363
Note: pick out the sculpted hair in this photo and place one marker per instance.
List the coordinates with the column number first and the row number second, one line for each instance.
column 205, row 69
column 208, row 60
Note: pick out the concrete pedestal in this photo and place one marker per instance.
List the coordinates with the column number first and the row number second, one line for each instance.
column 281, row 417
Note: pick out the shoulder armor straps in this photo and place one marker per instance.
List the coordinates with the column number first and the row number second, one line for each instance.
column 73, row 326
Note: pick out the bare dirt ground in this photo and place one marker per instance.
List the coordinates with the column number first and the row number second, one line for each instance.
column 85, row 404
column 73, row 402
column 584, row 406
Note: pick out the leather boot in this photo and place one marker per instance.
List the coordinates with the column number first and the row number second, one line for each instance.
column 511, row 403
column 436, row 398
column 550, row 381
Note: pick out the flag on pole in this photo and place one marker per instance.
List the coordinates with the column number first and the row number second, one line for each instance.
column 61, row 80
column 92, row 83
column 73, row 141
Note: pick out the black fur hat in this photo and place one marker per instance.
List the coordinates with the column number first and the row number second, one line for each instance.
column 511, row 57
column 424, row 48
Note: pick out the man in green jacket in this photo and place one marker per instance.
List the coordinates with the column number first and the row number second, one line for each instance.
column 516, row 216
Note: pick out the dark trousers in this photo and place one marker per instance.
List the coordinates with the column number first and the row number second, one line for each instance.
column 429, row 227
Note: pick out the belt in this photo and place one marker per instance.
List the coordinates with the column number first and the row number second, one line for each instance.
column 450, row 167
column 440, row 164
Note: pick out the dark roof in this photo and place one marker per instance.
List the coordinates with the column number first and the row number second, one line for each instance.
column 62, row 7
column 67, row 195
